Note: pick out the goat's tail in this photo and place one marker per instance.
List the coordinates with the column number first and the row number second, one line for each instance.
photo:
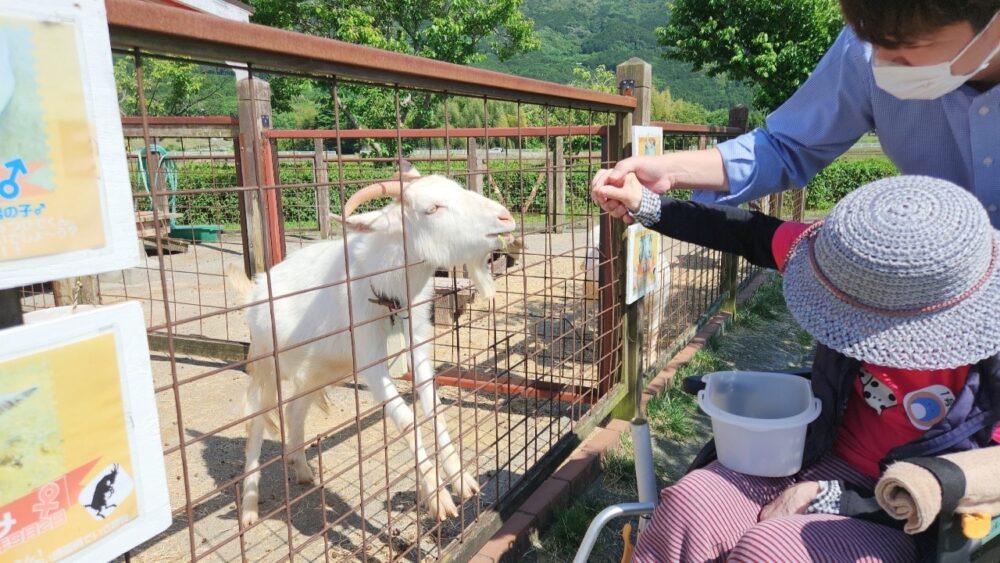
column 239, row 281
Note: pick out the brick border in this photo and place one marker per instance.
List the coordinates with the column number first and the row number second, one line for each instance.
column 582, row 466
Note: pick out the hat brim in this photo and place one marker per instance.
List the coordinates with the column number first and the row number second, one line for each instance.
column 962, row 334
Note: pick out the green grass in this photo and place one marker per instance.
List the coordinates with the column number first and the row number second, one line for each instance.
column 767, row 304
column 569, row 527
column 618, row 465
column 671, row 413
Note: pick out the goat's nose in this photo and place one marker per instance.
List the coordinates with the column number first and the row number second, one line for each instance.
column 505, row 217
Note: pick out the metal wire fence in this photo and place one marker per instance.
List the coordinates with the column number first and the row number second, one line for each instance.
column 367, row 316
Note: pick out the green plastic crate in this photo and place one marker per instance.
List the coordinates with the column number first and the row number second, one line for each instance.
column 196, row 233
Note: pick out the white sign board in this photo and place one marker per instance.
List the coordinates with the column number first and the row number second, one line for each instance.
column 65, row 198
column 78, row 413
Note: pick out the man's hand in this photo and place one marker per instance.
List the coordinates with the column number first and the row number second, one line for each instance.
column 794, row 500
column 619, row 202
column 652, row 172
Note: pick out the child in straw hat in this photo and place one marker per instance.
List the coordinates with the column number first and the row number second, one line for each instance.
column 900, row 286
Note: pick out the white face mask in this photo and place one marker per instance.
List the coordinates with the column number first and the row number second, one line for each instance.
column 927, row 82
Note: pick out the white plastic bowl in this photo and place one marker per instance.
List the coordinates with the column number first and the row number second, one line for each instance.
column 759, row 420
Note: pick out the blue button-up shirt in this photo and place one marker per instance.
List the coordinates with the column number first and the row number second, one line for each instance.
column 956, row 137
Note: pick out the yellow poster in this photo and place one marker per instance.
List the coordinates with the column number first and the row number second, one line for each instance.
column 49, row 191
column 643, row 258
column 65, row 466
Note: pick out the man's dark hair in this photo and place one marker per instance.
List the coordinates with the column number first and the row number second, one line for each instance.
column 894, row 23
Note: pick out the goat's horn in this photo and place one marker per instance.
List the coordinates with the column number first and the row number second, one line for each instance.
column 387, row 188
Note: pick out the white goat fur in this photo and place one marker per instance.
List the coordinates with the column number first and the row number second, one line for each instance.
column 446, row 226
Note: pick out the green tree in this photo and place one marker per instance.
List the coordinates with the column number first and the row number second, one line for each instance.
column 175, row 88
column 457, row 31
column 773, row 44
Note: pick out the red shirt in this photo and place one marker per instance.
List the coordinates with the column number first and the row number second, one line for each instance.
column 889, row 406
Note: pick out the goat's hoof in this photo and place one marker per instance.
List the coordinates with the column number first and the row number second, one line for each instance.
column 249, row 518
column 304, row 475
column 441, row 505
column 465, row 486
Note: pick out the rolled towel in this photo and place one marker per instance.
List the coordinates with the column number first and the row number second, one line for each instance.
column 909, row 492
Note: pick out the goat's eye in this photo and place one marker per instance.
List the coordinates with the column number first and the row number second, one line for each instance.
column 432, row 209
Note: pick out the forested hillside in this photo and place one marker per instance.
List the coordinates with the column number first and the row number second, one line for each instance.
column 595, row 32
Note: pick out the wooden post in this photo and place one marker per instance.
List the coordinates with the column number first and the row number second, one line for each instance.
column 254, row 97
column 273, row 204
column 739, row 117
column 474, row 167
column 559, row 194
column 10, row 307
column 639, row 74
column 799, row 214
column 65, row 291
column 322, row 177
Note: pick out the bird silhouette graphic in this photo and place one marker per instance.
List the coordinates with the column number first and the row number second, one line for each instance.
column 10, row 400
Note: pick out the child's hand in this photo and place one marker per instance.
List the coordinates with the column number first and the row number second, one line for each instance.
column 618, row 200
column 794, row 500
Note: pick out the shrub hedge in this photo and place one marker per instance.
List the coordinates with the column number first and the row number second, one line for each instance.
column 843, row 176
column 514, row 181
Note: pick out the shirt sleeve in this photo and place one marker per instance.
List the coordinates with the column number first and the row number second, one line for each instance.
column 649, row 208
column 720, row 227
column 818, row 123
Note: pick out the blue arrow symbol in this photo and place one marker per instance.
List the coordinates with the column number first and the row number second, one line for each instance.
column 16, row 166
column 9, row 188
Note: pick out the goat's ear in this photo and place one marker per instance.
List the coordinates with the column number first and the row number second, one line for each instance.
column 365, row 222
column 407, row 171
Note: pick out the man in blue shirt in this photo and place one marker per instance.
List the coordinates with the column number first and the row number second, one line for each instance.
column 924, row 74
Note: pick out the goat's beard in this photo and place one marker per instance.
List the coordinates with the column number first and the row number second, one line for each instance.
column 482, row 276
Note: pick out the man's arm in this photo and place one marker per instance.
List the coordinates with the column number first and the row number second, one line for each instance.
column 818, row 123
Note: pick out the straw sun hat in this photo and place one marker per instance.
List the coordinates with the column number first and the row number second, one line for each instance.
column 903, row 273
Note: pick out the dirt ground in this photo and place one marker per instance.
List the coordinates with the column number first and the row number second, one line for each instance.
column 541, row 329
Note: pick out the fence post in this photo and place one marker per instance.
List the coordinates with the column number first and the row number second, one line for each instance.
column 799, row 214
column 10, row 307
column 739, row 117
column 558, row 205
column 254, row 97
column 322, row 177
column 638, row 75
column 474, row 167
column 75, row 291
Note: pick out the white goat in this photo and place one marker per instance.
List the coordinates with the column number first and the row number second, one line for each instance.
column 446, row 226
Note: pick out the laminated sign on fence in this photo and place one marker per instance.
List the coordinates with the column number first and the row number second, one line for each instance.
column 643, row 244
column 81, row 476
column 65, row 200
